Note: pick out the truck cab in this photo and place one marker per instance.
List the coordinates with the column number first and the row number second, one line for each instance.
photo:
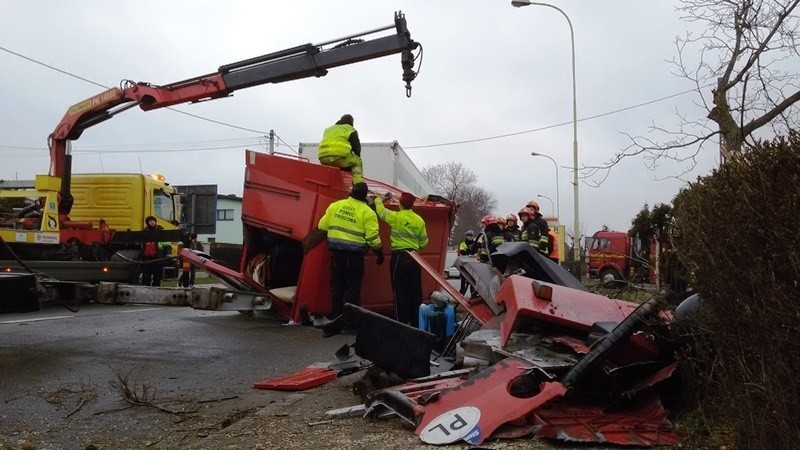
column 616, row 257
column 607, row 256
column 105, row 204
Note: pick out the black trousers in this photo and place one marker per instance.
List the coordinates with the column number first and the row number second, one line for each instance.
column 347, row 270
column 407, row 288
column 151, row 273
column 464, row 286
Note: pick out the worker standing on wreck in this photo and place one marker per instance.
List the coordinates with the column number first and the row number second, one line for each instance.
column 408, row 234
column 340, row 147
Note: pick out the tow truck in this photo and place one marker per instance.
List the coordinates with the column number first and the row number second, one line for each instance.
column 283, row 197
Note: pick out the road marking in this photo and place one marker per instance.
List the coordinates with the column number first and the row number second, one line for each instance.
column 41, row 319
column 9, row 322
column 139, row 310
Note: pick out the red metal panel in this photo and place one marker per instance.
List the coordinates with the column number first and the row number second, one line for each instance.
column 480, row 311
column 643, row 424
column 303, row 379
column 488, row 392
column 567, row 307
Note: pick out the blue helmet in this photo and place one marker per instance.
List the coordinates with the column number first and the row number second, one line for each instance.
column 469, row 233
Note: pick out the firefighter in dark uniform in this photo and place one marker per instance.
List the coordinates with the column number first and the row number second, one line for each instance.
column 408, row 234
column 352, row 229
column 492, row 237
column 544, row 229
column 531, row 233
column 340, row 147
column 512, row 227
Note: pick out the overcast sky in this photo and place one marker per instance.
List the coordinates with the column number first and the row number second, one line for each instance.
column 488, row 70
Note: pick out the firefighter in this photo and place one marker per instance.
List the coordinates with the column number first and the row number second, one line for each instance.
column 501, row 222
column 352, row 229
column 467, row 247
column 512, row 227
column 507, row 235
column 545, row 245
column 151, row 268
column 493, row 236
column 408, row 234
column 530, row 229
column 340, row 147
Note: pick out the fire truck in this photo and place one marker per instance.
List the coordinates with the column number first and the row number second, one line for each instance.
column 615, row 257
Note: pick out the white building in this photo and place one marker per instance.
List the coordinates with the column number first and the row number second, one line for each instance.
column 229, row 221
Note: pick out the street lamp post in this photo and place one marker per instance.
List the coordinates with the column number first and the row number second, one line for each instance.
column 552, row 207
column 558, row 197
column 577, row 232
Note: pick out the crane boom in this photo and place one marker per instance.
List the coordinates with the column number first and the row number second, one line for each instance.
column 291, row 64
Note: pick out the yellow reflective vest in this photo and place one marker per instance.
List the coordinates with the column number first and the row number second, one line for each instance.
column 408, row 228
column 351, row 226
column 336, row 141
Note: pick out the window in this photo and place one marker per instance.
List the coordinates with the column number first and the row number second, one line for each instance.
column 603, row 244
column 224, row 214
column 162, row 205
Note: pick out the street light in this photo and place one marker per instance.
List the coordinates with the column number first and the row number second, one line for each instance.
column 558, row 199
column 577, row 233
column 552, row 208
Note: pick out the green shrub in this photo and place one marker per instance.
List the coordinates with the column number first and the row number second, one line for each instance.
column 738, row 232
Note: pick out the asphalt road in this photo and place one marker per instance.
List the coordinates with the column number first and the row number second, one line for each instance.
column 63, row 376
column 61, row 372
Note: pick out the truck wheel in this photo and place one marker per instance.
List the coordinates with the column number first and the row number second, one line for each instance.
column 610, row 278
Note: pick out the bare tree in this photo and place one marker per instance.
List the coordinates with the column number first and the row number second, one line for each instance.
column 457, row 183
column 743, row 66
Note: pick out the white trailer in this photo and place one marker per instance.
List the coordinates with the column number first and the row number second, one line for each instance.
column 386, row 162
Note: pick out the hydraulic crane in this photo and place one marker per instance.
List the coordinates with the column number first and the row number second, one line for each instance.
column 291, row 64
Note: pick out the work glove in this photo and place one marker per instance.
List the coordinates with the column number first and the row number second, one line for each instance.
column 379, row 259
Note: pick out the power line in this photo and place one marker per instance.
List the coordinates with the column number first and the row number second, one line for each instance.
column 106, row 87
column 469, row 141
column 548, row 127
column 52, row 67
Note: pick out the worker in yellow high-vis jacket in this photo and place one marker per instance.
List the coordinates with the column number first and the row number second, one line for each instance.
column 408, row 234
column 352, row 230
column 340, row 147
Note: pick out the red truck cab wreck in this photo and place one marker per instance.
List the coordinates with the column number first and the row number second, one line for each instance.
column 284, row 198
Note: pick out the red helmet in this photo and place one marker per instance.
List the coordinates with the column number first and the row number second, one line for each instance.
column 532, row 205
column 511, row 217
column 527, row 211
column 488, row 220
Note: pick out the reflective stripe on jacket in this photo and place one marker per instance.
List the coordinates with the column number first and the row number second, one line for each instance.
column 544, row 235
column 531, row 233
column 408, row 228
column 336, row 141
column 351, row 225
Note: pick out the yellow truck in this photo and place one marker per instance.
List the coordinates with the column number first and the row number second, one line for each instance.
column 116, row 204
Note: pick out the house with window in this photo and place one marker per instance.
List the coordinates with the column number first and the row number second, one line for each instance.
column 229, row 221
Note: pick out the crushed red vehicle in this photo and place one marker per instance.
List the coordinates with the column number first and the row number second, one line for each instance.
column 557, row 361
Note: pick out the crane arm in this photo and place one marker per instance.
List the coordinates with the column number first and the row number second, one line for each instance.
column 291, row 64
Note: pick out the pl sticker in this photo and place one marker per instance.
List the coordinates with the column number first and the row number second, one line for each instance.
column 454, row 425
